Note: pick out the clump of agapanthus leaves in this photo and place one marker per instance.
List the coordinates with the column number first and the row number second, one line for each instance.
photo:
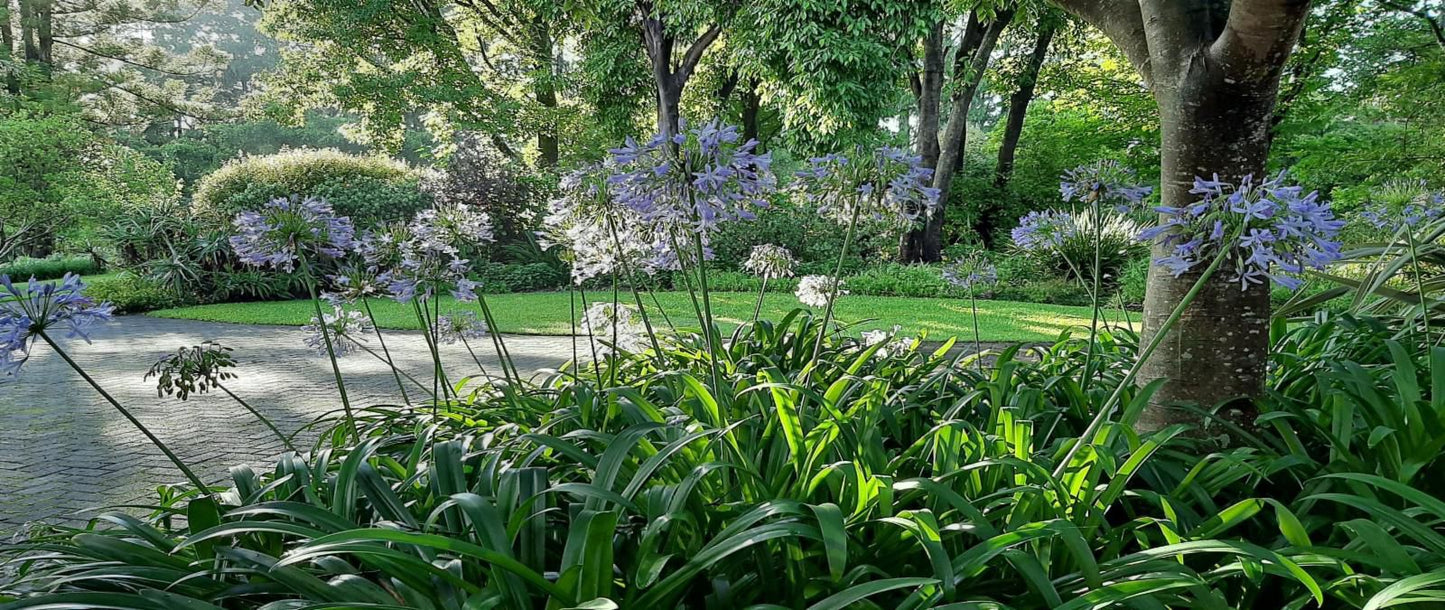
column 289, row 230
column 684, row 188
column 595, row 233
column 1268, row 229
column 26, row 313
column 885, row 185
column 198, row 369
column 32, row 312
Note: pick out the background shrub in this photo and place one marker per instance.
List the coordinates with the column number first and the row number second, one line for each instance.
column 522, row 277
column 132, row 293
column 368, row 189
column 50, row 267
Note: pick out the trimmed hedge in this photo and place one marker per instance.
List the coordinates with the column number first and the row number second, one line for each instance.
column 49, row 268
column 368, row 189
column 131, row 293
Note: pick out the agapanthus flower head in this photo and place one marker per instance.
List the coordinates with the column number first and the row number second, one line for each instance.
column 691, row 184
column 1273, row 231
column 616, row 326
column 424, row 258
column 1404, row 204
column 884, row 185
column 346, row 328
column 595, row 233
column 460, row 327
column 352, row 283
column 971, row 273
column 817, row 290
column 893, row 344
column 455, row 229
column 1105, row 183
column 770, row 260
column 42, row 306
column 287, row 229
column 192, row 370
column 1044, row 230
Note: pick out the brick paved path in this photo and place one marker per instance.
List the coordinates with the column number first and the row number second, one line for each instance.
column 64, row 450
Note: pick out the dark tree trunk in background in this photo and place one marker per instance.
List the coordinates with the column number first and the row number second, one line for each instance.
column 1018, row 104
column 7, row 38
column 928, row 90
column 1214, row 69
column 667, row 77
column 545, row 91
column 1018, row 110
column 752, row 105
column 925, row 243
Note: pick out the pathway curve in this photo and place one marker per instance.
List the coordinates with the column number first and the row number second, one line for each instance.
column 63, row 450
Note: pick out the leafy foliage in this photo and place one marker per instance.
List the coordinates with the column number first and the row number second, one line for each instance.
column 368, row 189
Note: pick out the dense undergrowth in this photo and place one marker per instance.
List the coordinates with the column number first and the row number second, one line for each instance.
column 881, row 478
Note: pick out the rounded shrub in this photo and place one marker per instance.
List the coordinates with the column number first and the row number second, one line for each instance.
column 368, row 189
column 132, row 293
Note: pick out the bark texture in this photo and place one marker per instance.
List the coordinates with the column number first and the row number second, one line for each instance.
column 1214, row 69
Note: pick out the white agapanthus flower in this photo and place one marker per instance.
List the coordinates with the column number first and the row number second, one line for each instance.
column 447, row 228
column 345, row 328
column 894, row 345
column 601, row 319
column 596, row 234
column 769, row 260
column 816, row 290
column 460, row 327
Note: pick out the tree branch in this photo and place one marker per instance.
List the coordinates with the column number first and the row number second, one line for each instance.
column 127, row 61
column 694, row 52
column 1123, row 23
column 1435, row 27
column 1258, row 36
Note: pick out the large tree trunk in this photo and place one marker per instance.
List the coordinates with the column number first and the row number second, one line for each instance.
column 670, row 79
column 1217, row 351
column 970, row 63
column 7, row 38
column 928, row 89
column 1214, row 68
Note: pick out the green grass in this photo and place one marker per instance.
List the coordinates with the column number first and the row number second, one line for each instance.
column 548, row 313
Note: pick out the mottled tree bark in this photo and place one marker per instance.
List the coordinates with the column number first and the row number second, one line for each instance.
column 925, row 243
column 1214, row 69
column 7, row 38
column 928, row 90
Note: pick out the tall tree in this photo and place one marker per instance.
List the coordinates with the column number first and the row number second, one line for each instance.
column 1214, row 69
column 1023, row 95
column 970, row 60
column 664, row 36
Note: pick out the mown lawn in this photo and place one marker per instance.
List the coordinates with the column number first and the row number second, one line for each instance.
column 549, row 313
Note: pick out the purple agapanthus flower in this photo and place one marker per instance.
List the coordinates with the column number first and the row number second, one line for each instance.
column 1275, row 231
column 690, row 184
column 1105, row 183
column 971, row 273
column 1404, row 204
column 1043, row 230
column 424, row 257
column 287, row 229
column 886, row 185
column 40, row 306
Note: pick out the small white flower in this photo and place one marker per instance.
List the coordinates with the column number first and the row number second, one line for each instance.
column 602, row 320
column 771, row 261
column 460, row 327
column 817, row 290
column 345, row 328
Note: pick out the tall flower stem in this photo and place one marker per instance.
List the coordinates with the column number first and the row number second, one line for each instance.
column 195, row 480
column 503, row 355
column 572, row 313
column 366, row 305
column 632, row 283
column 1094, row 300
column 977, row 343
column 330, row 349
column 652, row 290
column 475, row 359
column 1094, row 321
column 758, row 309
column 1106, row 410
column 436, row 358
column 714, row 339
column 592, row 340
column 1419, row 282
column 837, row 285
column 263, row 419
column 404, row 374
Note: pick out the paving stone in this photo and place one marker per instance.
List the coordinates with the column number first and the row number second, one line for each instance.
column 63, row 449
